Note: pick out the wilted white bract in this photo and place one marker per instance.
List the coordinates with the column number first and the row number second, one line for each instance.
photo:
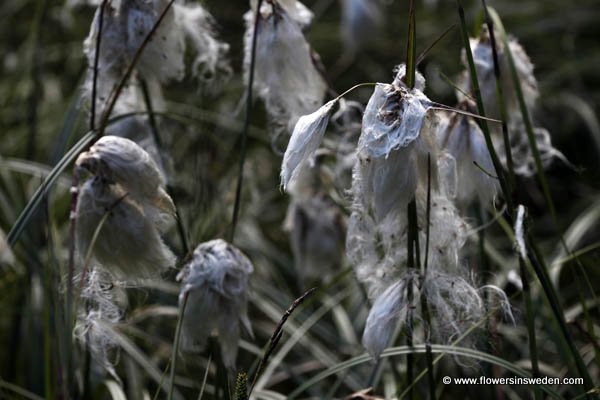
column 285, row 74
column 216, row 283
column 127, row 186
column 306, row 139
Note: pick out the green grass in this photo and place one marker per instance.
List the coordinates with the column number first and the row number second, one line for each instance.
column 211, row 149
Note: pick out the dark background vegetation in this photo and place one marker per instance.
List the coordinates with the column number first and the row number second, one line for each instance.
column 41, row 70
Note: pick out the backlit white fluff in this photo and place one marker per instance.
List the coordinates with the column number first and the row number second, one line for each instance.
column 119, row 160
column 216, row 283
column 127, row 23
column 127, row 185
column 285, row 75
column 128, row 245
column 104, row 305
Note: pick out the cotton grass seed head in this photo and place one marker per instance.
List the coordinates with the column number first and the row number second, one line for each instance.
column 126, row 185
column 125, row 26
column 119, row 160
column 285, row 75
column 395, row 140
column 462, row 139
column 128, row 244
column 215, row 282
column 481, row 48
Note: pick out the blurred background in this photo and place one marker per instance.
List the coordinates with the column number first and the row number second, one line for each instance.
column 42, row 69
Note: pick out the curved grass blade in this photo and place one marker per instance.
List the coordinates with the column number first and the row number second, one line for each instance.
column 36, row 199
column 541, row 270
column 419, row 349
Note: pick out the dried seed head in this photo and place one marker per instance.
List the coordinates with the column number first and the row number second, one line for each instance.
column 306, row 139
column 378, row 250
column 128, row 244
column 521, row 152
column 522, row 155
column 216, row 283
column 393, row 146
column 125, row 26
column 464, row 143
column 285, row 75
column 482, row 56
column 119, row 160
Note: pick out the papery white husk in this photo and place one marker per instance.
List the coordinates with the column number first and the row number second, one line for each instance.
column 305, row 140
column 216, row 283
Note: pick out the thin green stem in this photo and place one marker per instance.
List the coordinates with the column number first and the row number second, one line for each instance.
column 244, row 139
column 95, row 68
column 159, row 144
column 500, row 97
column 506, row 190
column 121, row 85
column 176, row 345
column 411, row 47
column 424, row 304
